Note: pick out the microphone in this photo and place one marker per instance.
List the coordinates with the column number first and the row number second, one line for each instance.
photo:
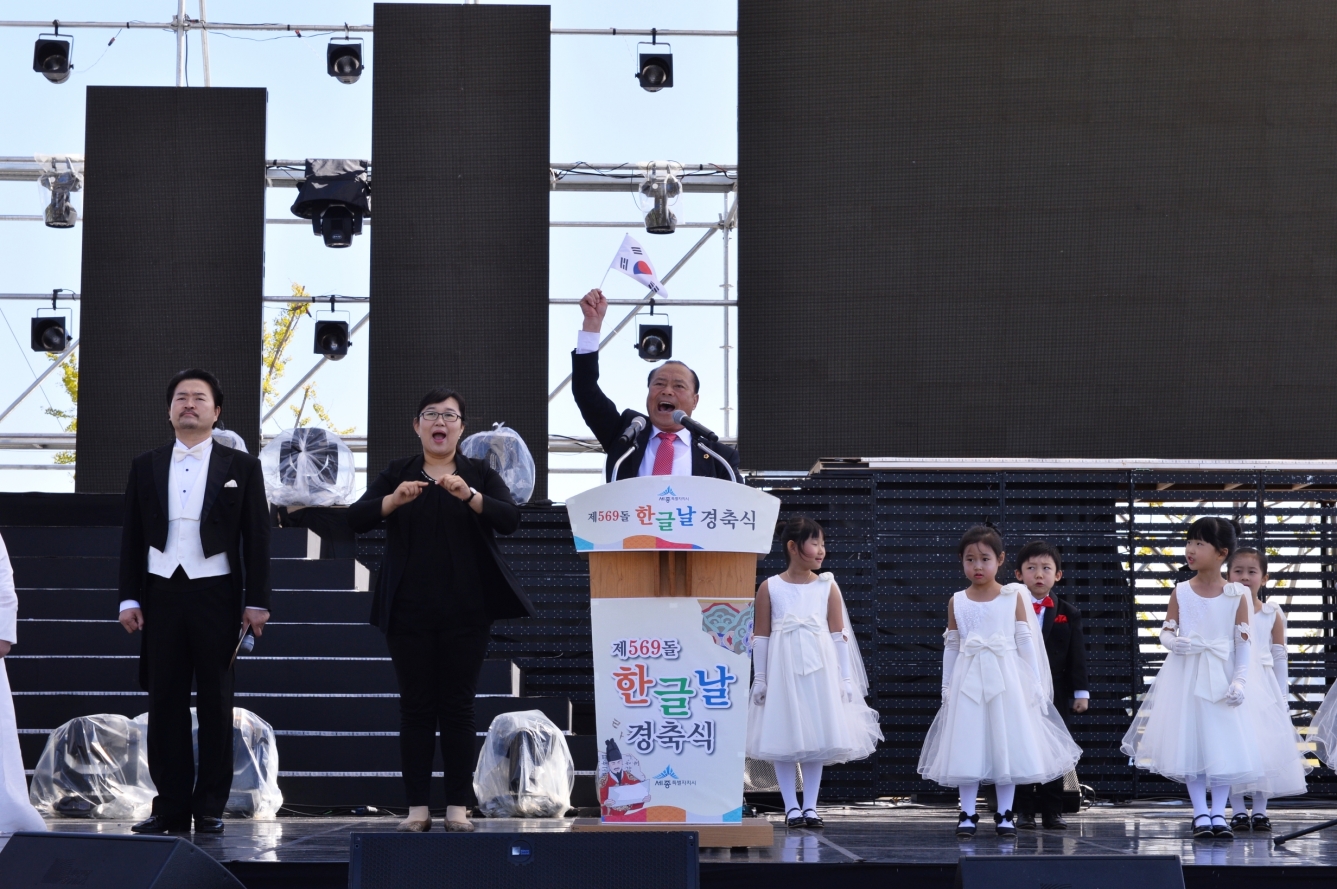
column 629, row 434
column 681, row 418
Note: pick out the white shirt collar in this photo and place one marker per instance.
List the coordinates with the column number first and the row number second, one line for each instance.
column 208, row 448
column 683, row 435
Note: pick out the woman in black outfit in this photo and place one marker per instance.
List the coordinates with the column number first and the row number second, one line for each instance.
column 442, row 583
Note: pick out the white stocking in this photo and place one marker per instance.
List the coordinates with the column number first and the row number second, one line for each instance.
column 968, row 794
column 1237, row 803
column 1197, row 793
column 1006, row 793
column 1220, row 794
column 812, row 783
column 1259, row 803
column 787, row 777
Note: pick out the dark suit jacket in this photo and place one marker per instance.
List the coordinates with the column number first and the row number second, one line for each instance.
column 504, row 597
column 233, row 520
column 1066, row 647
column 607, row 423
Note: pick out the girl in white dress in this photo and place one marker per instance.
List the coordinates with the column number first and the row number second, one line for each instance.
column 16, row 813
column 996, row 724
column 809, row 683
column 1323, row 731
column 1267, row 701
column 1191, row 727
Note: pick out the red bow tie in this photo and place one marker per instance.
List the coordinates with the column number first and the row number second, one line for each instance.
column 1046, row 602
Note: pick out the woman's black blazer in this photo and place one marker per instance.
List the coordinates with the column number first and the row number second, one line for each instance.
column 504, row 597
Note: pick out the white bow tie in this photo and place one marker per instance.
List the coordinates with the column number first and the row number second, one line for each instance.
column 179, row 453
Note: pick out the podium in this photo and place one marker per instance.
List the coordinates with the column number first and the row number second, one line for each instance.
column 673, row 564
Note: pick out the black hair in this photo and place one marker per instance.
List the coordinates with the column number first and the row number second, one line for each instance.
column 1216, row 532
column 1038, row 549
column 696, row 381
column 203, row 376
column 438, row 395
column 799, row 529
column 1249, row 551
column 982, row 534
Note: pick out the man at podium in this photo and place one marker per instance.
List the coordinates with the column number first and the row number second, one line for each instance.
column 664, row 446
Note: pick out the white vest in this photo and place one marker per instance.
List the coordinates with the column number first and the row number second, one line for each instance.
column 183, row 536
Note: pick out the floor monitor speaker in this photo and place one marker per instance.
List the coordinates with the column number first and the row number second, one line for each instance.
column 537, row 860
column 92, row 861
column 1069, row 872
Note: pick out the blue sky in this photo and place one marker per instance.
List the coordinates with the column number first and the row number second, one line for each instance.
column 599, row 113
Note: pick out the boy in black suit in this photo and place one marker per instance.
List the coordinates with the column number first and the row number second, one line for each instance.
column 1039, row 566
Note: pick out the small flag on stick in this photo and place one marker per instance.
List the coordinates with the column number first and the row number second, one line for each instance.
column 632, row 261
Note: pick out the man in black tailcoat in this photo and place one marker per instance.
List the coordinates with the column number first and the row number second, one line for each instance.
column 194, row 574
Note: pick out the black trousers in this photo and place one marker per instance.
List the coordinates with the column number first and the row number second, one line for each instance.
column 438, row 677
column 191, row 635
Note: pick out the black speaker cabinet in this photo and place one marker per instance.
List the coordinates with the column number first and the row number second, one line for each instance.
column 538, row 860
column 92, row 861
column 1069, row 872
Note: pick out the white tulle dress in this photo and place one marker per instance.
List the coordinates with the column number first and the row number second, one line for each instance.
column 1184, row 729
column 1284, row 766
column 16, row 812
column 996, row 725
column 1323, row 731
column 804, row 717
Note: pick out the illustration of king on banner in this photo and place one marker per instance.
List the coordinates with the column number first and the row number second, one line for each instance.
column 623, row 790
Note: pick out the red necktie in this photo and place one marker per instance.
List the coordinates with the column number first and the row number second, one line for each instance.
column 664, row 456
column 1046, row 602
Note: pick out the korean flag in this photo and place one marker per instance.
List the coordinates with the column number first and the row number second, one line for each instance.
column 632, row 261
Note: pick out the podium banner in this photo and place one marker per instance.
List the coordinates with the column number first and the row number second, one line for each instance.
column 673, row 512
column 671, row 682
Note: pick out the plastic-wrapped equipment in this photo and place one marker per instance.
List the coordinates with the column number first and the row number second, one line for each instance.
column 231, row 439
column 95, row 767
column 255, row 766
column 505, row 451
column 525, row 769
column 307, row 467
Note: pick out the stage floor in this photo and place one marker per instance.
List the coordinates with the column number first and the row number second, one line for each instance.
column 903, row 835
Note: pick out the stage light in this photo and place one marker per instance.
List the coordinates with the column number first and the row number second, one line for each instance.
column 335, row 196
column 660, row 189
column 343, row 59
column 654, row 339
column 60, row 213
column 53, row 56
column 655, row 71
column 49, row 334
column 332, row 339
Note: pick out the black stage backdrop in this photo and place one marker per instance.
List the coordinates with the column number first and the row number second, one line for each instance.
column 459, row 251
column 173, row 265
column 1059, row 228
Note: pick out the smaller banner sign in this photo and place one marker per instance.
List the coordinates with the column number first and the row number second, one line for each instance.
column 671, row 679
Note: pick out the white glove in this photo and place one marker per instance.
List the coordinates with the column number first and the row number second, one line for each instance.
column 1235, row 694
column 1182, row 645
column 847, row 692
column 1026, row 652
column 1280, row 668
column 759, row 690
column 1168, row 636
column 760, row 650
column 951, row 650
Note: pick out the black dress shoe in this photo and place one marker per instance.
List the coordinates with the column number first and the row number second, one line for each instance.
column 1054, row 822
column 161, row 824
column 965, row 825
column 208, row 824
column 1261, row 823
column 1004, row 830
column 1025, row 822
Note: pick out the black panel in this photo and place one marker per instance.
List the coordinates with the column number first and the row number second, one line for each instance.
column 1054, row 228
column 32, row 860
column 459, row 254
column 173, row 265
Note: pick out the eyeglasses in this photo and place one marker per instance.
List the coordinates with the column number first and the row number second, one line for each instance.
column 446, row 416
